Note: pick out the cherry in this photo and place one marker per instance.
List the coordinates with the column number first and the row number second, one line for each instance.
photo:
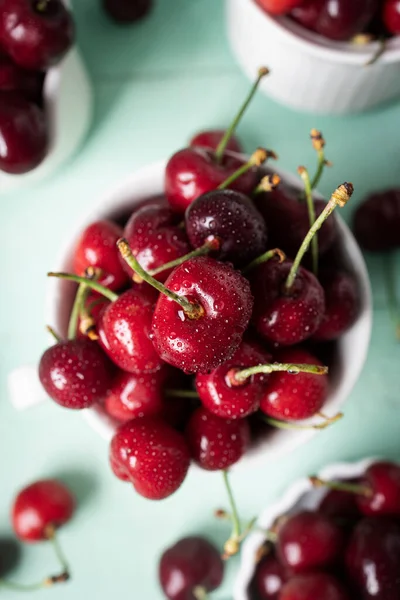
column 16, row 79
column 212, row 138
column 278, row 7
column 75, row 373
column 208, row 331
column 308, row 540
column 227, row 398
column 313, row 586
column 152, row 455
column 97, row 247
column 42, row 505
column 373, row 559
column 269, row 578
column 342, row 303
column 391, row 16
column 294, row 397
column 23, row 134
column 127, row 11
column 36, row 33
column 155, row 238
column 190, row 568
column 383, row 478
column 216, row 444
column 232, row 218
column 377, row 221
column 339, row 505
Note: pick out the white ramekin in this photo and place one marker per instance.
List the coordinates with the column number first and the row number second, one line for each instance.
column 149, row 182
column 309, row 72
column 300, row 496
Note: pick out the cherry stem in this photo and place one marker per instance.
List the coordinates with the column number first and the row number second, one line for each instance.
column 318, row 143
column 268, row 183
column 41, row 5
column 232, row 545
column 192, row 310
column 342, row 486
column 181, row 394
column 54, row 334
column 292, row 369
column 52, row 537
column 295, row 426
column 389, row 265
column 219, row 152
column 80, row 299
column 93, row 285
column 311, row 215
column 200, row 593
column 340, row 197
column 264, row 258
column 212, row 244
column 255, row 160
column 380, row 51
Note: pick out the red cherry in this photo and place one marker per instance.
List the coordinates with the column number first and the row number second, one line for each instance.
column 97, row 247
column 226, row 398
column 212, row 137
column 127, row 11
column 377, row 221
column 39, row 506
column 125, row 331
column 391, row 16
column 191, row 563
column 75, row 373
column 383, row 478
column 23, row 131
column 15, row 79
column 118, row 470
column 294, row 397
column 155, row 237
column 269, row 578
column 216, row 444
column 152, row 455
column 278, row 7
column 286, row 317
column 338, row 504
column 309, row 540
column 313, row 586
column 200, row 343
column 342, row 302
column 36, row 33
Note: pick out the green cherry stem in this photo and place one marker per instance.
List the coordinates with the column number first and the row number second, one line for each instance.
column 53, row 539
column 212, row 244
column 97, row 287
column 256, row 160
column 231, row 547
column 311, row 215
column 340, row 197
column 319, row 144
column 219, row 152
column 296, row 426
column 342, row 486
column 80, row 299
column 181, row 394
column 268, row 183
column 389, row 269
column 55, row 335
column 238, row 377
column 264, row 258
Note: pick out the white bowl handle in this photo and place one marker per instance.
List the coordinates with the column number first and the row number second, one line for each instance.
column 24, row 387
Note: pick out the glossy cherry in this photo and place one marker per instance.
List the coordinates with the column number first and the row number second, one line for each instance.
column 269, row 578
column 225, row 397
column 43, row 504
column 278, row 7
column 210, row 138
column 16, row 79
column 383, row 479
column 231, row 218
column 127, row 11
column 340, row 505
column 313, row 586
column 151, row 455
column 23, row 134
column 309, row 540
column 201, row 342
column 377, row 221
column 75, row 373
column 342, row 303
column 373, row 559
column 391, row 16
column 190, row 565
column 36, row 33
column 294, row 397
column 216, row 444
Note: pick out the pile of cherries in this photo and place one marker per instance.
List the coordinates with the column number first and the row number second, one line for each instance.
column 190, row 329
column 341, row 19
column 348, row 548
column 35, row 35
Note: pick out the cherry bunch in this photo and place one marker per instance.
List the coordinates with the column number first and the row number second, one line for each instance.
column 34, row 36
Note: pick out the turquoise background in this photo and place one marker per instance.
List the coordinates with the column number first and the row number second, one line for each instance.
column 155, row 84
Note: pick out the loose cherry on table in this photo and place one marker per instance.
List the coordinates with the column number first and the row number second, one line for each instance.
column 36, row 33
column 190, row 569
column 269, row 578
column 310, row 586
column 126, row 11
column 376, row 222
column 212, row 138
column 391, row 16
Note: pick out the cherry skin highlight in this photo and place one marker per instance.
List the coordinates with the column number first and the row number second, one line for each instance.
column 383, row 478
column 311, row 586
column 269, row 578
column 210, row 138
column 391, row 16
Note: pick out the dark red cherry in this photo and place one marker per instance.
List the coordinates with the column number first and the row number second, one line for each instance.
column 377, row 221
column 97, row 247
column 383, row 478
column 216, row 444
column 342, row 303
column 76, row 373
column 23, row 134
column 192, row 172
column 200, row 343
column 278, row 7
column 36, row 33
column 335, row 19
column 43, row 504
column 269, row 578
column 232, row 219
column 391, row 16
column 210, row 138
column 152, row 455
column 190, row 564
column 309, row 540
column 340, row 505
column 314, row 586
column 124, row 330
column 294, row 397
column 16, row 79
column 127, row 11
column 226, row 398
column 373, row 559
column 286, row 317
column 155, row 237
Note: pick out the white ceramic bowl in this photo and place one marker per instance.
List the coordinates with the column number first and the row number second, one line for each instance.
column 309, row 72
column 300, row 496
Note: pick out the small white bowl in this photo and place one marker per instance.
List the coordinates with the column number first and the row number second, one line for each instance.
column 300, row 496
column 308, row 71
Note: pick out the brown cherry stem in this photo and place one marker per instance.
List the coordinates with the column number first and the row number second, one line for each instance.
column 296, row 426
column 97, row 287
column 211, row 245
column 264, row 258
column 181, row 394
column 311, row 215
column 342, row 486
column 319, row 144
column 54, row 334
column 389, row 269
column 255, row 160
column 192, row 310
column 219, row 152
column 382, row 47
column 268, row 183
column 340, row 197
column 238, row 377
column 232, row 545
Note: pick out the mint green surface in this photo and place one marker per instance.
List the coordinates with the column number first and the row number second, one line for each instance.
column 155, row 84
